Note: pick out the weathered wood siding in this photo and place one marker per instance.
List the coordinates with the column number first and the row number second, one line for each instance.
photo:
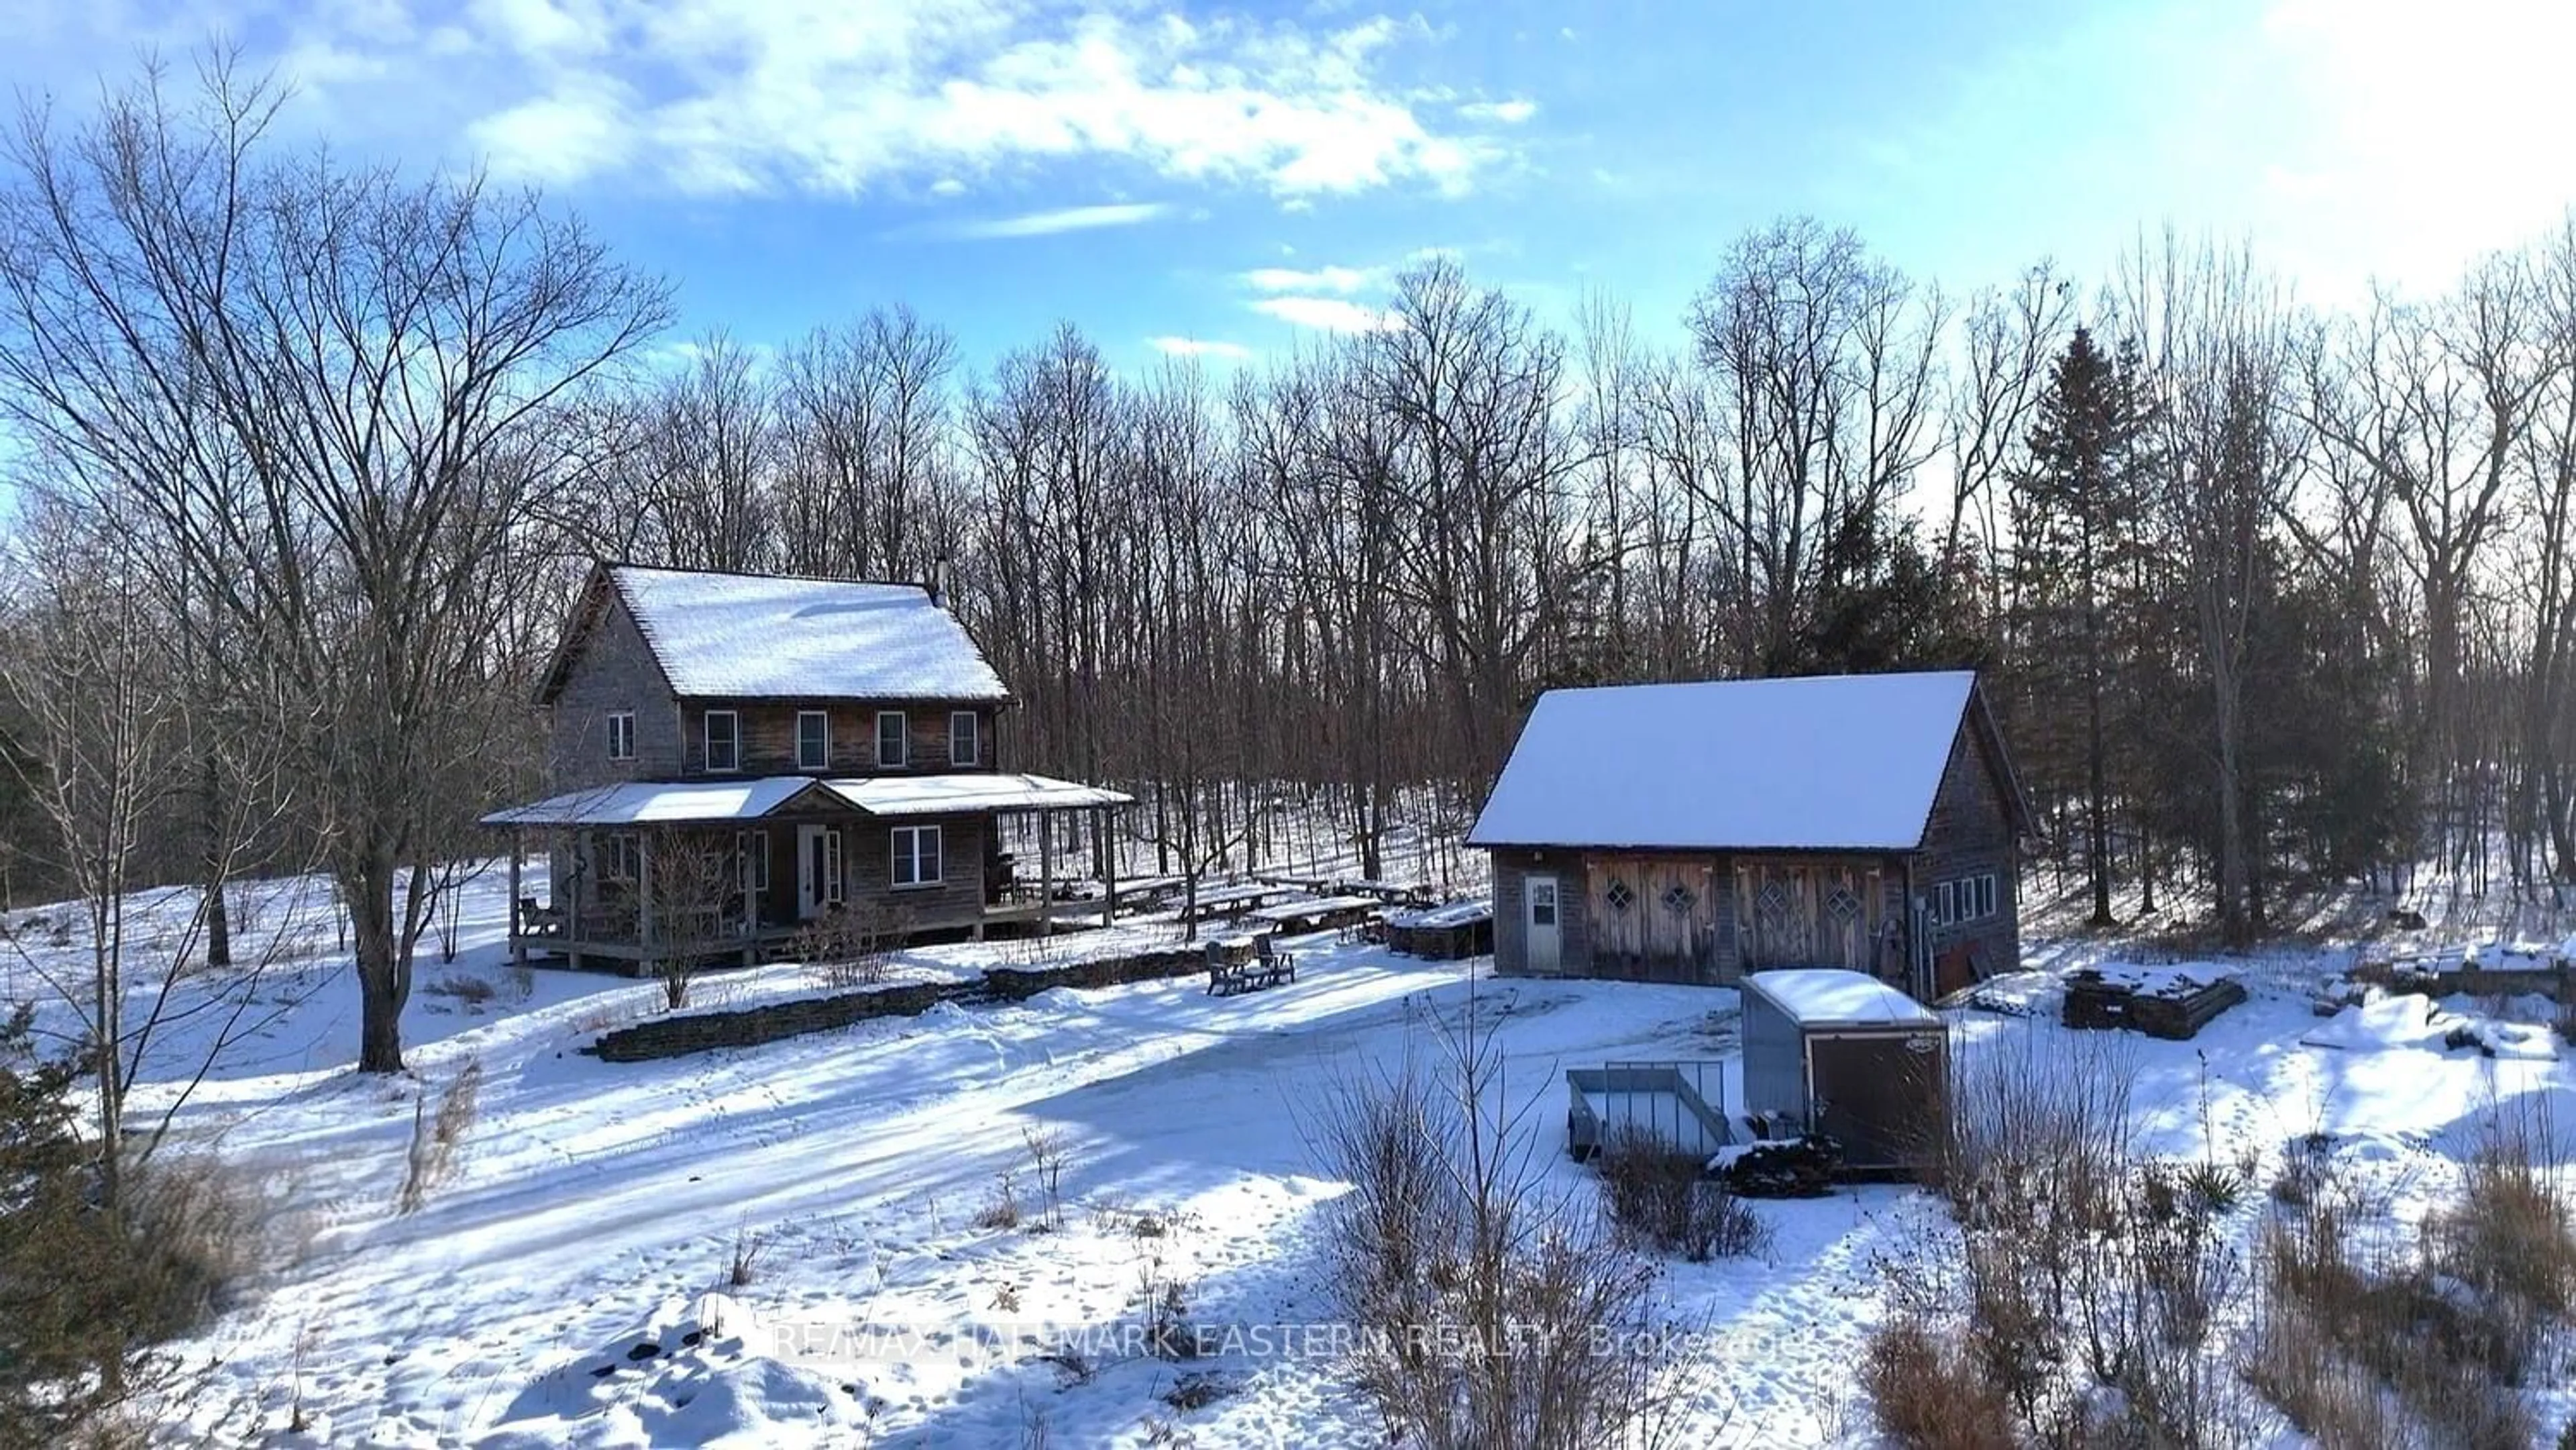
column 768, row 729
column 1511, row 911
column 1972, row 833
column 1820, row 909
column 1653, row 916
column 612, row 671
column 867, row 868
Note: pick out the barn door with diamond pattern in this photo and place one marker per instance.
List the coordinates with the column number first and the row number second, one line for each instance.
column 1806, row 913
column 1847, row 909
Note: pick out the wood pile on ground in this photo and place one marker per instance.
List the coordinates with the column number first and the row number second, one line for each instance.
column 1444, row 933
column 2168, row 1002
column 2478, row 969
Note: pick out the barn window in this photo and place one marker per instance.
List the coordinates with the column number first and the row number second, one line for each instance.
column 1618, row 895
column 1773, row 903
column 1986, row 895
column 1679, row 899
column 1842, row 905
column 1946, row 908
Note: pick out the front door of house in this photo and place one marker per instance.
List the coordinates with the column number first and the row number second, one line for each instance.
column 818, row 869
column 1538, row 894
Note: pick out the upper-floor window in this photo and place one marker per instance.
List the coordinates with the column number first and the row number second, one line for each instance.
column 916, row 855
column 724, row 740
column 892, row 741
column 621, row 735
column 813, row 740
column 965, row 738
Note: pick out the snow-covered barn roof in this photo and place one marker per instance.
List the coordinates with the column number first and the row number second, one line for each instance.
column 1825, row 763
column 1834, row 997
column 777, row 636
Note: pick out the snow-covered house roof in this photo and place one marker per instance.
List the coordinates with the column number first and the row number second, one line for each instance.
column 1833, row 997
column 1829, row 762
column 931, row 795
column 640, row 803
column 757, row 635
column 644, row 803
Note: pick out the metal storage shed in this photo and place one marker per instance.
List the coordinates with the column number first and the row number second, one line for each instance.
column 1846, row 1055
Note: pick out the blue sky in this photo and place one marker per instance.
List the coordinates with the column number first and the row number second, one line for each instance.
column 1238, row 178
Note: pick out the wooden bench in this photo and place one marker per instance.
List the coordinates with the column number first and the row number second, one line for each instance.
column 1268, row 967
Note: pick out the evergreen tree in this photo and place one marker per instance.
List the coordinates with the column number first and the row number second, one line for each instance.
column 2077, row 513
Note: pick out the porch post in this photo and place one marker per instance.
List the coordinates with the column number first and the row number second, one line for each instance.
column 745, row 842
column 1046, row 874
column 643, row 893
column 518, row 942
column 576, row 902
column 1109, row 868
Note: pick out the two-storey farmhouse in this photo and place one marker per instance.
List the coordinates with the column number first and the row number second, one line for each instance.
column 1696, row 832
column 738, row 756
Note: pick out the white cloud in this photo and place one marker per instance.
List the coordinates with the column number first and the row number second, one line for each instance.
column 771, row 96
column 564, row 137
column 948, row 186
column 1064, row 219
column 1200, row 347
column 1510, row 113
column 1344, row 280
column 1328, row 314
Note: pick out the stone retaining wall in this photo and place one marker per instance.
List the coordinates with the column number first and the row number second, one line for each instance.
column 678, row 1036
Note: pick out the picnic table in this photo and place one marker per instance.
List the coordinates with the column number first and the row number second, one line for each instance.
column 1228, row 901
column 1266, row 966
column 1321, row 913
column 1394, row 893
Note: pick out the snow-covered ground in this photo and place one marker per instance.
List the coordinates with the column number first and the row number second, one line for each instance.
column 593, row 1209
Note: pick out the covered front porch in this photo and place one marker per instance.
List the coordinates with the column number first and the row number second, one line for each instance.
column 643, row 873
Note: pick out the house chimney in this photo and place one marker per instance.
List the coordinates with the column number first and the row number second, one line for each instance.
column 936, row 586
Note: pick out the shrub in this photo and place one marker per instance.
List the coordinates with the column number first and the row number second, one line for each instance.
column 94, row 1283
column 1197, row 1391
column 851, row 946
column 435, row 1138
column 1927, row 1394
column 745, row 1265
column 1002, row 1210
column 2508, row 1236
column 472, row 991
column 1480, row 1297
column 1664, row 1198
column 2382, row 1351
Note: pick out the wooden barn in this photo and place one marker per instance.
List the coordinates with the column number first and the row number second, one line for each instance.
column 1697, row 832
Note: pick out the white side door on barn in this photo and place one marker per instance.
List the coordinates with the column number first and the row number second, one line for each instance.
column 1539, row 917
column 818, row 869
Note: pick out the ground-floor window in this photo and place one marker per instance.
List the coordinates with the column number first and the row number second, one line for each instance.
column 1969, row 898
column 916, row 856
column 621, row 856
